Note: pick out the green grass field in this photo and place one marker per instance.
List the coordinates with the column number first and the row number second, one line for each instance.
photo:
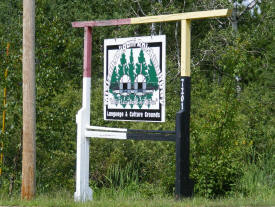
column 112, row 198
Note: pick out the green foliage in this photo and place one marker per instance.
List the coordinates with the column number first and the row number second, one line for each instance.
column 232, row 121
column 218, row 143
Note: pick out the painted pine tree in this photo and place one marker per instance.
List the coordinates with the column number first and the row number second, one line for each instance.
column 121, row 66
column 133, row 70
column 153, row 78
column 114, row 79
column 131, row 67
column 132, row 76
column 141, row 65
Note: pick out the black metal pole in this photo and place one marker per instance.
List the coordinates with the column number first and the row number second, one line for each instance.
column 184, row 185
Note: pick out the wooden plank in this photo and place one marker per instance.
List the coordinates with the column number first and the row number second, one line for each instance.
column 111, row 22
column 208, row 14
column 106, row 135
column 111, row 129
column 151, row 131
column 107, row 129
column 185, row 47
column 152, row 137
column 181, row 16
column 159, row 18
column 120, row 133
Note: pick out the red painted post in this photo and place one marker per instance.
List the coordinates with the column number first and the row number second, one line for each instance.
column 87, row 52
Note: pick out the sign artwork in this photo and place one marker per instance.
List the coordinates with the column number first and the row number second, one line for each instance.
column 134, row 79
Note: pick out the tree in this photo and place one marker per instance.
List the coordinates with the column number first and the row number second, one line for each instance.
column 153, row 78
column 141, row 66
column 122, row 67
column 114, row 78
column 131, row 67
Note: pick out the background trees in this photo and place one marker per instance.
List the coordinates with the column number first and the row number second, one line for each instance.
column 232, row 127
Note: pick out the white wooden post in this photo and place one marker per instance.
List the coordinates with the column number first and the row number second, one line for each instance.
column 83, row 191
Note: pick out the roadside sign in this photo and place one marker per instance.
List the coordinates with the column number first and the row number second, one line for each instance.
column 134, row 79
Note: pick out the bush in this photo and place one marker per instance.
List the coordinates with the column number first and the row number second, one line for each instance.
column 218, row 143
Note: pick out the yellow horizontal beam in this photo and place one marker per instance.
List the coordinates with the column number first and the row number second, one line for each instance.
column 182, row 16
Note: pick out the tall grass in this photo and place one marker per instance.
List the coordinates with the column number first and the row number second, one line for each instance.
column 258, row 180
column 119, row 177
column 122, row 199
column 256, row 188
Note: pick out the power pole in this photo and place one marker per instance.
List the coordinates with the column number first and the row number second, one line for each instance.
column 29, row 118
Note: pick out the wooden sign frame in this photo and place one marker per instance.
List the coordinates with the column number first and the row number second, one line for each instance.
column 184, row 185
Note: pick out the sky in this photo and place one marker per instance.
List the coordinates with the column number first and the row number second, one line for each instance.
column 246, row 2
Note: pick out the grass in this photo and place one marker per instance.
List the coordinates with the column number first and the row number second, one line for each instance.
column 122, row 198
column 256, row 188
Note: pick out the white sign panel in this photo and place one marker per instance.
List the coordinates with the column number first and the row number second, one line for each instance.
column 134, row 79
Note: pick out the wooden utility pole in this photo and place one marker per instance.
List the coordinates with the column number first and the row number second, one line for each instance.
column 29, row 147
